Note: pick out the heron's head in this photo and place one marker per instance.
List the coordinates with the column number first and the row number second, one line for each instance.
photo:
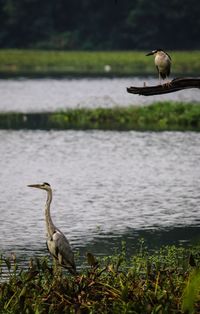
column 44, row 186
column 153, row 52
column 159, row 52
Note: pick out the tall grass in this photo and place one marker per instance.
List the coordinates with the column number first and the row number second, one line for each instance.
column 41, row 63
column 144, row 283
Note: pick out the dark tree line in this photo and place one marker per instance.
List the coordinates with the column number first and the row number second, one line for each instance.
column 95, row 24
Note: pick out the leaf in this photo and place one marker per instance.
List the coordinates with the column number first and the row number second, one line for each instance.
column 191, row 292
column 92, row 261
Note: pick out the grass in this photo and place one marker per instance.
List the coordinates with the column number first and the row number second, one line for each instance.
column 161, row 282
column 161, row 116
column 16, row 62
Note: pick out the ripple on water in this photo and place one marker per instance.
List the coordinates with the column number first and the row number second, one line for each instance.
column 106, row 185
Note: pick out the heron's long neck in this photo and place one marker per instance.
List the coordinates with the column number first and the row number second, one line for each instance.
column 49, row 224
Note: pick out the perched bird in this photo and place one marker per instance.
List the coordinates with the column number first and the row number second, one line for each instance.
column 162, row 63
column 57, row 243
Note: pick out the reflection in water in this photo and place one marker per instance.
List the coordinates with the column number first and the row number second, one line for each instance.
column 31, row 95
column 108, row 186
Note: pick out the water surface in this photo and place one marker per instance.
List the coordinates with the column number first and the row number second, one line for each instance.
column 31, row 95
column 107, row 187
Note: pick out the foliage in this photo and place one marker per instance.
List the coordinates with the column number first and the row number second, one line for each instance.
column 191, row 292
column 61, row 63
column 161, row 116
column 144, row 283
column 95, row 25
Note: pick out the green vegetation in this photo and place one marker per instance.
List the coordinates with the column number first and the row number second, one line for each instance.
column 161, row 282
column 100, row 25
column 161, row 116
column 59, row 63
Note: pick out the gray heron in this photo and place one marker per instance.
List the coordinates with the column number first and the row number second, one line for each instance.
column 57, row 243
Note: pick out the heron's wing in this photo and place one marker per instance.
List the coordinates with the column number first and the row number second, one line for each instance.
column 169, row 69
column 157, row 69
column 168, row 56
column 163, row 75
column 63, row 251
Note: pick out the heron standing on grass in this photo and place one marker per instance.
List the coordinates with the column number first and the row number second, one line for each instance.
column 57, row 243
column 162, row 62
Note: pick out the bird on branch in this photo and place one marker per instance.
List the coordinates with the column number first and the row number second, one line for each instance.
column 162, row 62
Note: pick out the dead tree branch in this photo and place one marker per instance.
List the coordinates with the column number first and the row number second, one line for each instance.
column 173, row 86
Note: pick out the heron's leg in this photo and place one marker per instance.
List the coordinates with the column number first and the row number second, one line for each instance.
column 160, row 79
column 167, row 83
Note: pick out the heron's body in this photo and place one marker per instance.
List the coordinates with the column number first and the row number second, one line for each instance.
column 162, row 62
column 60, row 248
column 57, row 243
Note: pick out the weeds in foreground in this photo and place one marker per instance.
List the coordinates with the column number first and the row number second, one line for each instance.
column 162, row 282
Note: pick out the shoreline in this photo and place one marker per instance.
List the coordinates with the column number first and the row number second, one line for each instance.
column 55, row 63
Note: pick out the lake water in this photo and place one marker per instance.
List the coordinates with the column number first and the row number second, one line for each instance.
column 31, row 95
column 107, row 187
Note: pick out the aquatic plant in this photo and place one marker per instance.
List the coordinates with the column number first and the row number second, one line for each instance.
column 192, row 290
column 143, row 283
column 161, row 116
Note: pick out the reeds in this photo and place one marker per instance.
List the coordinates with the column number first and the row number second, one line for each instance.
column 144, row 283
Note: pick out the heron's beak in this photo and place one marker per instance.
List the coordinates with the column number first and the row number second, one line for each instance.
column 150, row 53
column 34, row 186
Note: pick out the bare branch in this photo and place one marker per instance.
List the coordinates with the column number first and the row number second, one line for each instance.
column 173, row 86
